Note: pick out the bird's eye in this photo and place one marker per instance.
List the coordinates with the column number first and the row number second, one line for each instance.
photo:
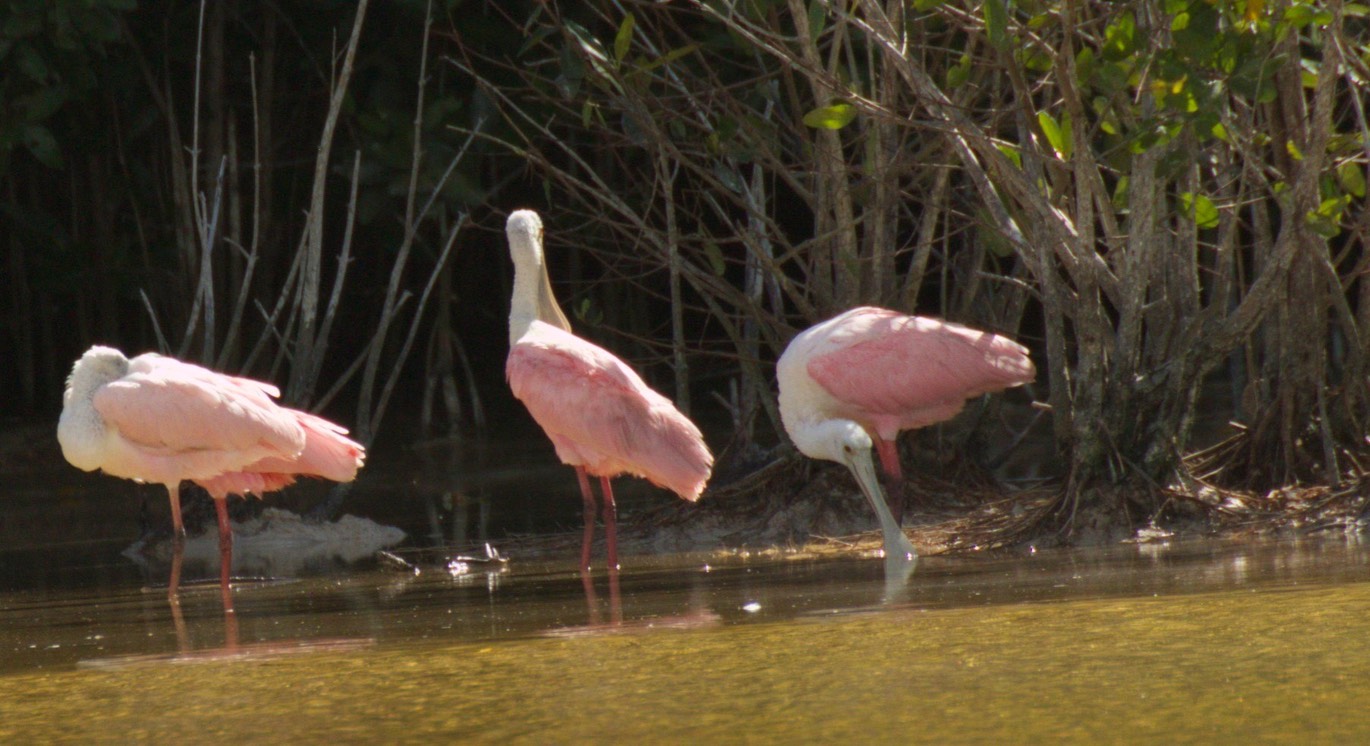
column 846, row 449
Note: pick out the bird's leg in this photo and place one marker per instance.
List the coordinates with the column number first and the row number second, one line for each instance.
column 225, row 549
column 610, row 523
column 894, row 476
column 178, row 529
column 178, row 550
column 178, row 544
column 588, row 496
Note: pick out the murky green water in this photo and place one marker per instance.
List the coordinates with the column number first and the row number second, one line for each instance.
column 1196, row 642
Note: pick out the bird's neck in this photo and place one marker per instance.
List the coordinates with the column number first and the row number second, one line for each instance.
column 533, row 300
column 808, row 436
column 80, row 430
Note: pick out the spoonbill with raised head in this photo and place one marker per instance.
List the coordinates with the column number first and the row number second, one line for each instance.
column 601, row 416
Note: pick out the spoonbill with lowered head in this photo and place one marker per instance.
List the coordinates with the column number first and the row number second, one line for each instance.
column 600, row 415
column 858, row 379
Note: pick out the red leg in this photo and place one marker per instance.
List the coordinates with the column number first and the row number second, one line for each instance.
column 610, row 523
column 589, row 497
column 225, row 550
column 894, row 476
column 889, row 458
column 178, row 529
column 178, row 550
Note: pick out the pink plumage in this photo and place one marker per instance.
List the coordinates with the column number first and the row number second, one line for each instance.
column 892, row 372
column 601, row 415
column 174, row 421
column 853, row 382
column 602, row 418
column 157, row 419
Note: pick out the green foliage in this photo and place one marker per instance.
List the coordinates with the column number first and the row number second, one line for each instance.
column 996, row 22
column 958, row 74
column 51, row 51
column 833, row 117
column 1199, row 209
column 623, row 40
column 1351, row 177
column 1058, row 134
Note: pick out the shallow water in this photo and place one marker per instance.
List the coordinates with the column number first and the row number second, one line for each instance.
column 1193, row 641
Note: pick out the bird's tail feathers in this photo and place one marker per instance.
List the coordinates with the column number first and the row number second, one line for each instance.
column 328, row 453
column 688, row 463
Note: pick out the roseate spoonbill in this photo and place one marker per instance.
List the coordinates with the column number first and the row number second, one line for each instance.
column 157, row 419
column 859, row 378
column 602, row 418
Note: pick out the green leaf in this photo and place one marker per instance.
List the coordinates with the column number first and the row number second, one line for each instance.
column 1200, row 209
column 1120, row 38
column 1058, row 135
column 1326, row 220
column 668, row 58
column 996, row 22
column 1120, row 193
column 715, row 257
column 1084, row 64
column 1011, row 152
column 1351, row 178
column 623, row 40
column 1035, row 58
column 588, row 312
column 958, row 74
column 833, row 117
column 1299, row 15
column 818, row 19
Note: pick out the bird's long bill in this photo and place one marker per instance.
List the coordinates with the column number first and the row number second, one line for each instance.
column 549, row 311
column 896, row 543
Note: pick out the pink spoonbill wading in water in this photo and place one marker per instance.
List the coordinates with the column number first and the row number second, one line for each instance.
column 157, row 419
column 600, row 415
column 858, row 379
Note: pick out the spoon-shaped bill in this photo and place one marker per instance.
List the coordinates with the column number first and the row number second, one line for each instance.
column 896, row 543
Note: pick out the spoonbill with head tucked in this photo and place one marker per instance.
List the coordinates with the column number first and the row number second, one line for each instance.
column 602, row 418
column 858, row 379
column 157, row 419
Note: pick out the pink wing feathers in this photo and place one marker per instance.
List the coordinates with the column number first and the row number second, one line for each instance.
column 166, row 404
column 179, row 420
column 327, row 452
column 898, row 372
column 601, row 415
